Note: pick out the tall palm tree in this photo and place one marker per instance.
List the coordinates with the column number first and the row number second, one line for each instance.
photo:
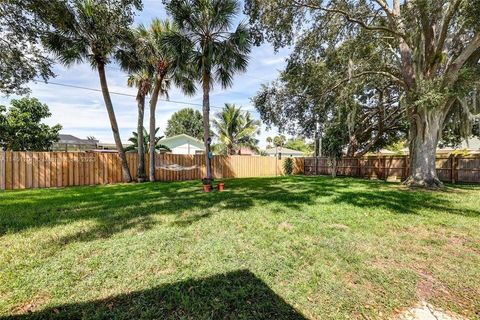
column 216, row 51
column 90, row 31
column 236, row 129
column 168, row 67
column 144, row 141
column 134, row 59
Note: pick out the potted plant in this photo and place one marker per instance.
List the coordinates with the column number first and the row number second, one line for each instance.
column 221, row 186
column 207, row 184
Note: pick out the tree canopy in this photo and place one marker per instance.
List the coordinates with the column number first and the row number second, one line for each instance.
column 235, row 129
column 23, row 23
column 186, row 121
column 21, row 127
column 426, row 52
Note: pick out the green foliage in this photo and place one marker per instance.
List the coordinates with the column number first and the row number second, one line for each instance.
column 21, row 127
column 215, row 52
column 334, row 141
column 235, row 129
column 146, row 142
column 288, row 166
column 277, row 141
column 299, row 144
column 91, row 31
column 397, row 147
column 186, row 121
column 22, row 58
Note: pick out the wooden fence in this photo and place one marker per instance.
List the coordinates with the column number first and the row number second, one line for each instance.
column 396, row 168
column 28, row 170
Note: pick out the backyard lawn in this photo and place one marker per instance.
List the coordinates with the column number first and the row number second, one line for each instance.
column 266, row 248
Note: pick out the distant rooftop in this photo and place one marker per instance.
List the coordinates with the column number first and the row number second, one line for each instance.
column 69, row 139
column 273, row 151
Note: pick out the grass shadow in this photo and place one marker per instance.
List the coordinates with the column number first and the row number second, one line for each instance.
column 234, row 295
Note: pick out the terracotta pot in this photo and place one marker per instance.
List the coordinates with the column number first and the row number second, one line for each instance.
column 207, row 187
column 221, row 186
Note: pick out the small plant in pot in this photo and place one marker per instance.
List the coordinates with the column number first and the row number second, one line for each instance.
column 207, row 184
column 221, row 186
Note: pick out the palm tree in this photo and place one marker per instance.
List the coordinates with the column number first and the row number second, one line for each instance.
column 236, row 129
column 143, row 141
column 216, row 53
column 90, row 31
column 133, row 58
column 168, row 67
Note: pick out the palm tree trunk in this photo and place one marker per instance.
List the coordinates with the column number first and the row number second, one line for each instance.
column 206, row 123
column 153, row 107
column 140, row 143
column 113, row 122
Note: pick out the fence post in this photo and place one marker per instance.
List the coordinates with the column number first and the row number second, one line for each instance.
column 455, row 169
column 3, row 164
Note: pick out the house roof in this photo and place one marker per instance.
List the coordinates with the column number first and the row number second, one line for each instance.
column 283, row 151
column 69, row 139
column 181, row 139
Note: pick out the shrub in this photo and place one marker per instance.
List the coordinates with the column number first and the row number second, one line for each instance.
column 288, row 166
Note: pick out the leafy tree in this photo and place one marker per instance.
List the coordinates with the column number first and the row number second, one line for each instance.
column 186, row 121
column 21, row 127
column 216, row 51
column 277, row 141
column 91, row 31
column 299, row 144
column 145, row 144
column 288, row 166
column 236, row 129
column 333, row 143
column 22, row 25
column 431, row 53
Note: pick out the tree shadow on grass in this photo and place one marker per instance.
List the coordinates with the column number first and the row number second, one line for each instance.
column 235, row 295
column 122, row 207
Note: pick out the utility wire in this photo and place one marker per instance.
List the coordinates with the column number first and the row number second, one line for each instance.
column 119, row 93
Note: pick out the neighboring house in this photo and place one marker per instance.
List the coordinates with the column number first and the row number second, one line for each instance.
column 183, row 144
column 243, row 151
column 283, row 152
column 67, row 142
column 109, row 146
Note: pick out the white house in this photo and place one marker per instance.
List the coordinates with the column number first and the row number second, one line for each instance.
column 184, row 144
column 284, row 152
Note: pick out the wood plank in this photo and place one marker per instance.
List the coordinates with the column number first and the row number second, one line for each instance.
column 48, row 165
column 53, row 169
column 35, row 170
column 3, row 160
column 29, row 170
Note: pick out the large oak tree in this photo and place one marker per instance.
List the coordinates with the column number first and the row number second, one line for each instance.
column 435, row 47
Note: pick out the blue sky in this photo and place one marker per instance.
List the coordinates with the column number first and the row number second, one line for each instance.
column 82, row 112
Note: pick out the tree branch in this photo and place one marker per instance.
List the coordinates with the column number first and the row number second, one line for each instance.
column 457, row 64
column 348, row 17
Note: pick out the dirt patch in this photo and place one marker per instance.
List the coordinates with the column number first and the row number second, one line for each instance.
column 425, row 311
column 285, row 226
column 32, row 305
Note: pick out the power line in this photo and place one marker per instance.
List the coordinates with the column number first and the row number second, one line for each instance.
column 120, row 94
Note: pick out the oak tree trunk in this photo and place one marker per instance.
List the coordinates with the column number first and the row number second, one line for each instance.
column 113, row 122
column 153, row 108
column 425, row 133
column 141, row 176
column 206, row 123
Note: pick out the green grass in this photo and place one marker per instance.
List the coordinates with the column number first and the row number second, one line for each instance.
column 267, row 248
